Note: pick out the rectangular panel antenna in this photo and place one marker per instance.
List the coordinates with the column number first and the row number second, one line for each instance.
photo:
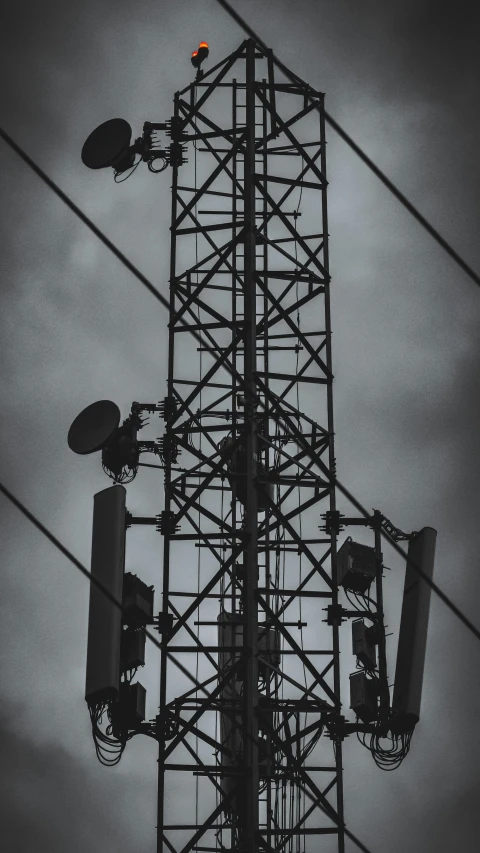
column 412, row 639
column 105, row 619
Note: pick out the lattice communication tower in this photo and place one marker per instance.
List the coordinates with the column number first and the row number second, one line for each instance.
column 251, row 412
column 250, row 723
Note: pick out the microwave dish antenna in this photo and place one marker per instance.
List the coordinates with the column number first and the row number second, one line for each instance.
column 109, row 145
column 93, row 427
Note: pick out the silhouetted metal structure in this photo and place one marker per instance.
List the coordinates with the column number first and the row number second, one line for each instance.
column 256, row 466
column 250, row 724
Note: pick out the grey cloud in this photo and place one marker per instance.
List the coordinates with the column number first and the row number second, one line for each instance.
column 49, row 801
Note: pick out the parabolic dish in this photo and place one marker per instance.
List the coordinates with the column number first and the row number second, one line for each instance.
column 93, row 427
column 107, row 144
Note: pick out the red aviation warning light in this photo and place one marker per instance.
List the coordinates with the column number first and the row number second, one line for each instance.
column 199, row 55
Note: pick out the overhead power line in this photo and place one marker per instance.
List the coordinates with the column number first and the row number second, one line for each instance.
column 66, row 553
column 143, row 280
column 358, row 151
column 78, row 565
column 436, row 589
column 85, row 219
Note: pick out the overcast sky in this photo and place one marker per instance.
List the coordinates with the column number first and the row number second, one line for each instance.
column 402, row 77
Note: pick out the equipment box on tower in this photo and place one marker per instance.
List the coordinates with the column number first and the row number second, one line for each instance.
column 355, row 566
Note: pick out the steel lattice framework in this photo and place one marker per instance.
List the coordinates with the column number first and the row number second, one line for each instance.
column 249, row 568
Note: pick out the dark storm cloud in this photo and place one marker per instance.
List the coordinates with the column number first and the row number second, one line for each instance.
column 424, row 46
column 438, row 37
column 47, row 802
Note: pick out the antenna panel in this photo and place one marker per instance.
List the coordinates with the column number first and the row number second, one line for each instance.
column 105, row 619
column 412, row 641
